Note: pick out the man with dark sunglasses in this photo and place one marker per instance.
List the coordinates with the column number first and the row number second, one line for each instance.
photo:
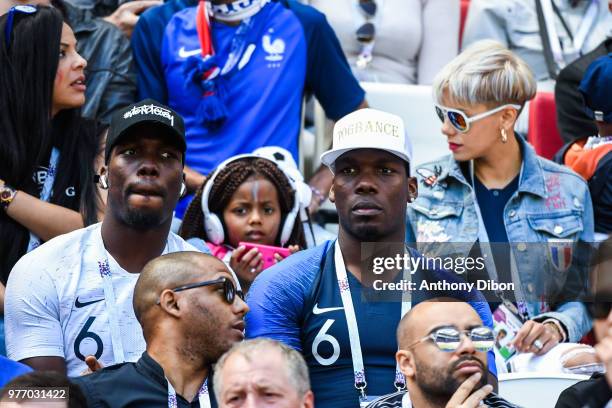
column 191, row 313
column 442, row 353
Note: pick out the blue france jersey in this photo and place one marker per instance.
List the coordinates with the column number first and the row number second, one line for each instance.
column 296, row 52
column 298, row 302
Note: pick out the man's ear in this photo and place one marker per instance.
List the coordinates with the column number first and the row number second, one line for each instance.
column 413, row 189
column 169, row 302
column 405, row 362
column 102, row 178
column 332, row 194
column 308, row 400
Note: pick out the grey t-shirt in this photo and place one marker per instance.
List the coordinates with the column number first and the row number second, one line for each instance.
column 514, row 23
column 414, row 38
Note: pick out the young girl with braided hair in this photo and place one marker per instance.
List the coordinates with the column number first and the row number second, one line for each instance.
column 246, row 199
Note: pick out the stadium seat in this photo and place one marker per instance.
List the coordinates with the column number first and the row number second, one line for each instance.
column 543, row 133
column 465, row 5
column 526, row 389
column 414, row 104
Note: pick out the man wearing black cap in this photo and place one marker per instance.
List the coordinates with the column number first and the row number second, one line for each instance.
column 72, row 297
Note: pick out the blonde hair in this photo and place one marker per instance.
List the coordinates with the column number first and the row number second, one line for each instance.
column 250, row 350
column 485, row 73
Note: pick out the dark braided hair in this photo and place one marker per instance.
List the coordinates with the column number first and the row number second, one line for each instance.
column 225, row 185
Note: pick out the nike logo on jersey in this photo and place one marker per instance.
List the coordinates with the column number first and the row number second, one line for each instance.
column 316, row 310
column 79, row 305
column 183, row 53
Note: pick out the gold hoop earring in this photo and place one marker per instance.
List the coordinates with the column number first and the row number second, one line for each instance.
column 504, row 135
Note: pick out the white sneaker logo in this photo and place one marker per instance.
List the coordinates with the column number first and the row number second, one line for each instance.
column 316, row 310
column 183, row 53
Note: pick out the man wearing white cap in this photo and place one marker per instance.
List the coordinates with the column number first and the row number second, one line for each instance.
column 313, row 301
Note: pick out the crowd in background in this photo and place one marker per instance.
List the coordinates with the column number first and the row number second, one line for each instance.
column 159, row 244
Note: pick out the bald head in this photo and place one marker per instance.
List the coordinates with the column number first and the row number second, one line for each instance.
column 425, row 316
column 169, row 271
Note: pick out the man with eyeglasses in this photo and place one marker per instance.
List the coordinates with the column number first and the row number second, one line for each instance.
column 71, row 298
column 442, row 353
column 191, row 313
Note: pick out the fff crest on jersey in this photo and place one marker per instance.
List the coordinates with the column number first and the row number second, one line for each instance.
column 560, row 252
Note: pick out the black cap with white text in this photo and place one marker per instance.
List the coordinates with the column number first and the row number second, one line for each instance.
column 145, row 111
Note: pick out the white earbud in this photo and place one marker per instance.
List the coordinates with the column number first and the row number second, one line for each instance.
column 104, row 181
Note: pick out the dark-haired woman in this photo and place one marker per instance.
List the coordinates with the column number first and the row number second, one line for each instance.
column 47, row 152
column 250, row 200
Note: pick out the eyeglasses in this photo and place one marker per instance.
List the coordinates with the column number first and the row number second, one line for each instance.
column 461, row 121
column 8, row 28
column 599, row 310
column 449, row 338
column 229, row 290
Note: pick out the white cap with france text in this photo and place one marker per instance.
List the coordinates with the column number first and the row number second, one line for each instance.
column 368, row 129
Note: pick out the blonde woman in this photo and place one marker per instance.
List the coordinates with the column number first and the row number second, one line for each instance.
column 494, row 190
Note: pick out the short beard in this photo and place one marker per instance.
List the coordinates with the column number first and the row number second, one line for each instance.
column 141, row 220
column 364, row 233
column 199, row 339
column 438, row 384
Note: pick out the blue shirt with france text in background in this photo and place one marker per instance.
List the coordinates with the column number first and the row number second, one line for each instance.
column 296, row 53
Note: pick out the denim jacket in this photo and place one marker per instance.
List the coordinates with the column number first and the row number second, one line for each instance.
column 552, row 205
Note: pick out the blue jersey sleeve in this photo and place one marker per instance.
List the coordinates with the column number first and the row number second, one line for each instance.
column 328, row 74
column 146, row 46
column 276, row 298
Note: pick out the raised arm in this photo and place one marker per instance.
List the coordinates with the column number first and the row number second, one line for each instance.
column 44, row 219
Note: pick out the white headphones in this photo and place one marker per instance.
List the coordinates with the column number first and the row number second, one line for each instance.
column 212, row 223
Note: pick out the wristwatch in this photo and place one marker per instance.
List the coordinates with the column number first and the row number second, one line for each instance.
column 7, row 194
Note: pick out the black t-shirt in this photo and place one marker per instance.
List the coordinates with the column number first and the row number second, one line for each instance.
column 140, row 384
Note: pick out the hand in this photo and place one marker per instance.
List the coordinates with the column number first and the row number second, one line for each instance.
column 465, row 398
column 318, row 198
column 321, row 182
column 126, row 15
column 93, row 365
column 247, row 265
column 604, row 353
column 532, row 331
column 193, row 179
column 292, row 248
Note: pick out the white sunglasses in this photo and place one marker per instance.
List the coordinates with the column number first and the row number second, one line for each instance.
column 461, row 121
